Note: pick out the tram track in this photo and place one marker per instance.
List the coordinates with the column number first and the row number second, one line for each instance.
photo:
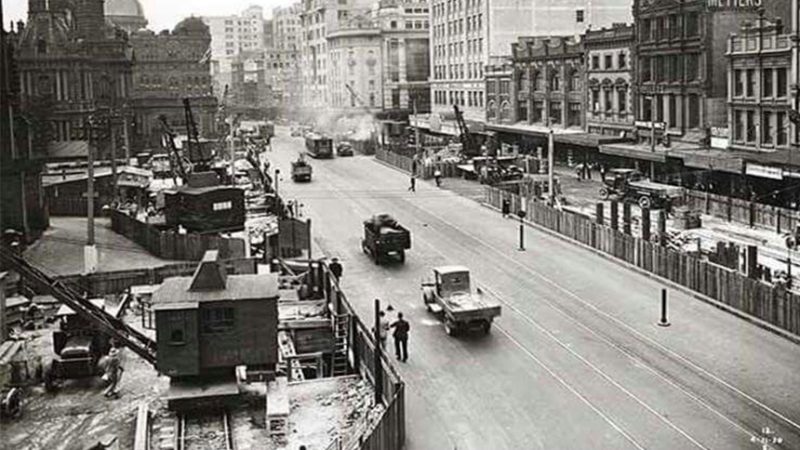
column 205, row 431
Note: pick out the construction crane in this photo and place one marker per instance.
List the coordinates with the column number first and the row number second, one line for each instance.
column 201, row 159
column 116, row 328
column 470, row 146
column 363, row 105
column 176, row 160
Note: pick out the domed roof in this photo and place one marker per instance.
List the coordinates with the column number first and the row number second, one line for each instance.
column 191, row 25
column 124, row 8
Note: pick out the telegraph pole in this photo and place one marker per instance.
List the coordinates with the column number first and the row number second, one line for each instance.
column 90, row 250
column 551, row 191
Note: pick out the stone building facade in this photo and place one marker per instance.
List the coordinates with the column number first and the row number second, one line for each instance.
column 609, row 71
column 759, row 97
column 355, row 70
column 72, row 65
column 547, row 83
column 169, row 67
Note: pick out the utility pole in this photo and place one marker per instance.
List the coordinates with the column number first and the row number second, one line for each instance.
column 127, row 138
column 416, row 127
column 652, row 136
column 114, row 175
column 551, row 191
column 90, row 250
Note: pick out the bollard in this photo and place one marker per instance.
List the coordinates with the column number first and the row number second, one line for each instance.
column 663, row 322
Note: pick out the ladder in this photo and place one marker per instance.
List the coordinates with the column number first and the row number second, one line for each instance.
column 109, row 324
column 341, row 331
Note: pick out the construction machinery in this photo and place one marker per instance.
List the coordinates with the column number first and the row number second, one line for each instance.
column 449, row 295
column 103, row 321
column 178, row 163
column 385, row 238
column 470, row 147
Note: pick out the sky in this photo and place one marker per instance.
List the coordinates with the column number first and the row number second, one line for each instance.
column 165, row 14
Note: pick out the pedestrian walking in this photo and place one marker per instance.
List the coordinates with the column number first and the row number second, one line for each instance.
column 413, row 187
column 437, row 175
column 383, row 329
column 336, row 268
column 603, row 173
column 401, row 329
column 113, row 371
column 506, row 208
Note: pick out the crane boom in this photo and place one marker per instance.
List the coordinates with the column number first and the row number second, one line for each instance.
column 176, row 159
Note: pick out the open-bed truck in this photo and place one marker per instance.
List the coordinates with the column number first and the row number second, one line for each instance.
column 449, row 295
column 385, row 239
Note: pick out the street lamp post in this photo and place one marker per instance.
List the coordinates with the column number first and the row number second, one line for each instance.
column 521, row 214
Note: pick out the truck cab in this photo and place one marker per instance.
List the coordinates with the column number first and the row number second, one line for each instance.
column 449, row 295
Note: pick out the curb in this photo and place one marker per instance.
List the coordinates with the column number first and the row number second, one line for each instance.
column 696, row 295
column 716, row 303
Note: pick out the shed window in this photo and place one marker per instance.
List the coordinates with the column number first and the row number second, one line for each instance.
column 176, row 337
column 222, row 206
column 217, row 320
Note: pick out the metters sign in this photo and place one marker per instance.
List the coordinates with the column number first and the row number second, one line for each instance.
column 735, row 4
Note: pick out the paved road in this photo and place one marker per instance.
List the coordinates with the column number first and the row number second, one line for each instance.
column 576, row 360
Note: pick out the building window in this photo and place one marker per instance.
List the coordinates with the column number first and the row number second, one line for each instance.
column 647, row 26
column 522, row 111
column 692, row 66
column 766, row 128
column 596, row 100
column 609, row 100
column 738, row 125
column 609, row 62
column 222, row 206
column 738, row 83
column 555, row 113
column 176, row 337
column 692, row 24
column 645, row 69
column 781, row 127
column 574, row 115
column 538, row 111
column 751, row 83
column 555, row 81
column 579, row 16
column 781, row 85
column 767, row 86
column 575, row 81
column 595, row 62
column 694, row 111
column 217, row 320
column 538, row 82
column 622, row 61
column 751, row 126
column 672, row 107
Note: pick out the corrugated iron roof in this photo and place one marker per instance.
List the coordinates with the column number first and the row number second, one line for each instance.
column 238, row 287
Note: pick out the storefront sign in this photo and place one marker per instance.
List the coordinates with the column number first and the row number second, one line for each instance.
column 648, row 125
column 735, row 4
column 720, row 138
column 756, row 170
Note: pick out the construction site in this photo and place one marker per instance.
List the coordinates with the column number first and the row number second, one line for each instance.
column 216, row 354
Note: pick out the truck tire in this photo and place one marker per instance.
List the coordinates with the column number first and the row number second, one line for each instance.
column 50, row 376
column 605, row 193
column 645, row 202
column 487, row 327
column 402, row 256
column 376, row 256
column 450, row 328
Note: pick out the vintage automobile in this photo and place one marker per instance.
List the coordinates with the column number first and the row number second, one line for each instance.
column 629, row 185
column 450, row 296
column 344, row 148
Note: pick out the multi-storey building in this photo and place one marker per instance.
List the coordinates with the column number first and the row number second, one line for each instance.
column 468, row 35
column 318, row 19
column 286, row 28
column 231, row 35
column 405, row 29
column 71, row 63
column 609, row 70
column 126, row 14
column 169, row 67
column 23, row 206
column 249, row 87
column 282, row 72
column 355, row 69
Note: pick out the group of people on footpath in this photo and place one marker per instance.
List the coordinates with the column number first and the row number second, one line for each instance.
column 437, row 176
column 401, row 329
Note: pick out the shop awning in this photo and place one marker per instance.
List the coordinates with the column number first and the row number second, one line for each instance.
column 634, row 152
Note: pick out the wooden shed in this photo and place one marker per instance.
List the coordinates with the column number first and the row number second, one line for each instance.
column 205, row 209
column 209, row 323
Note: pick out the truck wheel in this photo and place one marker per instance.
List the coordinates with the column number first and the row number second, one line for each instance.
column 402, row 256
column 487, row 327
column 604, row 193
column 645, row 202
column 377, row 258
column 450, row 328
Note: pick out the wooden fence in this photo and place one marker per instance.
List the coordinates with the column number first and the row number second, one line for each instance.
column 169, row 244
column 105, row 283
column 389, row 433
column 424, row 171
column 771, row 303
column 753, row 214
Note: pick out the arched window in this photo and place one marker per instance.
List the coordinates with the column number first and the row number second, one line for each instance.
column 555, row 81
column 575, row 81
column 538, row 83
column 490, row 112
column 505, row 111
column 522, row 81
column 41, row 47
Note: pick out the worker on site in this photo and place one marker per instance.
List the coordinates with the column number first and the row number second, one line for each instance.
column 113, row 371
column 336, row 268
column 401, row 329
column 437, row 175
column 413, row 187
column 383, row 329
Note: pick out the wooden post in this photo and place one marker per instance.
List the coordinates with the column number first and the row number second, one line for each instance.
column 751, row 260
column 662, row 228
column 646, row 224
column 626, row 218
column 377, row 355
column 599, row 213
column 614, row 215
